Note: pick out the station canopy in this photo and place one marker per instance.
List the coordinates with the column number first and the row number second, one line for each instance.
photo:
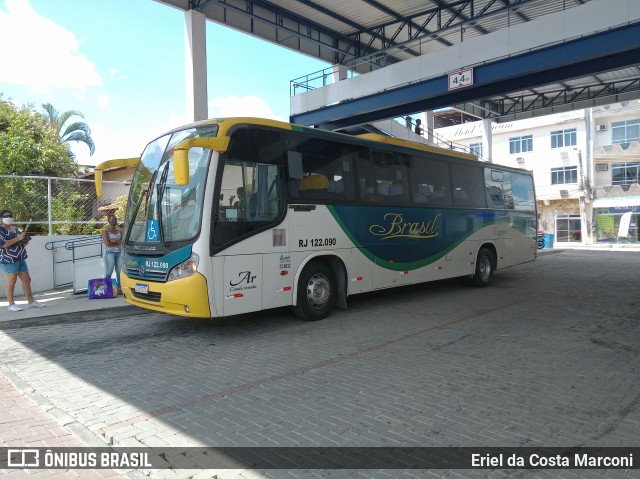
column 364, row 35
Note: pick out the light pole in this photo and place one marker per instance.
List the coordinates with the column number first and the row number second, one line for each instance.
column 586, row 198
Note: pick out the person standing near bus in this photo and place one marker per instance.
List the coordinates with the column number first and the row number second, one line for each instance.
column 13, row 261
column 112, row 237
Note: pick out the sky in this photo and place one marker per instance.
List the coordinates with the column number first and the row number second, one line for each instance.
column 121, row 63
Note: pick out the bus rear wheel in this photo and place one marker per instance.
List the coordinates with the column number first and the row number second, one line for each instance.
column 484, row 268
column 317, row 290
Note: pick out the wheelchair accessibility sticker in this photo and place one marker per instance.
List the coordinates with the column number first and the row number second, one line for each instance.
column 152, row 230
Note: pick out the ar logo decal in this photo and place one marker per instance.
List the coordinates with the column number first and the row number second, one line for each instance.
column 245, row 277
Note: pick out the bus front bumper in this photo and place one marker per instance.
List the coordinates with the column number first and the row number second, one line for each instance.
column 183, row 297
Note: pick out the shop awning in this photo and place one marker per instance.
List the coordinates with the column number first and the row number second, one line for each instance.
column 618, row 202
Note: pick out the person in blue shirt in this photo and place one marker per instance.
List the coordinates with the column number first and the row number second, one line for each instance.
column 13, row 261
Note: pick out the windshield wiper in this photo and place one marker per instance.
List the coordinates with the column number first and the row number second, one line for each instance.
column 160, row 195
column 145, row 195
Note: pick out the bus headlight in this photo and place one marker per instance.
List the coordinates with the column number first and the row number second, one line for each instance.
column 186, row 268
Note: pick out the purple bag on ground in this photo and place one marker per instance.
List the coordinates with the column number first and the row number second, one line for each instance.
column 100, row 288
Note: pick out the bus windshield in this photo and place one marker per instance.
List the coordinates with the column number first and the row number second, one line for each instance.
column 160, row 212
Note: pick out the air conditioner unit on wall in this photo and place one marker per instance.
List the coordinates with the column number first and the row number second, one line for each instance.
column 520, row 159
column 601, row 127
column 564, row 193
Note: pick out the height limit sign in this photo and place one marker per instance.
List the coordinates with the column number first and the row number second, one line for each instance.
column 461, row 79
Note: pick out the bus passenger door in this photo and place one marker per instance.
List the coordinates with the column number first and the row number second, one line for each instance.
column 243, row 283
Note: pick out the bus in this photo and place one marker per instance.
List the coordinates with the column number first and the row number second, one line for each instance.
column 235, row 215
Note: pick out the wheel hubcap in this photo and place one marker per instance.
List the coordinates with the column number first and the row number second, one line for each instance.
column 318, row 291
column 485, row 268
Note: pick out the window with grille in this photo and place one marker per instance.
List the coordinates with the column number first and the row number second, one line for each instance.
column 561, row 176
column 624, row 173
column 476, row 149
column 520, row 144
column 624, row 132
column 568, row 228
column 562, row 138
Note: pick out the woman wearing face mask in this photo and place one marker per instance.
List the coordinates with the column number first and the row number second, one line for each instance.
column 112, row 237
column 13, row 261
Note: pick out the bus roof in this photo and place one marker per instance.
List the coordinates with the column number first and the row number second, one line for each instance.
column 225, row 124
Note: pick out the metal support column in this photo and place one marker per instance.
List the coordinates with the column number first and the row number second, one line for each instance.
column 487, row 140
column 196, row 65
column 430, row 121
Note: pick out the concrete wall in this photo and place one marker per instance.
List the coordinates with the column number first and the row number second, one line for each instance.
column 52, row 267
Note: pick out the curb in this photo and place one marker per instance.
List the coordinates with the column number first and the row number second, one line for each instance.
column 545, row 252
column 76, row 317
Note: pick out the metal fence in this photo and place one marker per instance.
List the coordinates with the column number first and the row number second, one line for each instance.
column 59, row 206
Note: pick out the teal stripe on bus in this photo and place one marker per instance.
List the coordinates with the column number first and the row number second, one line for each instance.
column 404, row 238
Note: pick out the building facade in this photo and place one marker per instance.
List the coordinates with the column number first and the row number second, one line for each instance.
column 616, row 158
column 585, row 165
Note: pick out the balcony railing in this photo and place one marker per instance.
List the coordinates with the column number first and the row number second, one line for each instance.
column 615, row 191
column 631, row 147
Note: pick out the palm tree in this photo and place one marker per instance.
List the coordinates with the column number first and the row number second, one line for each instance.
column 76, row 131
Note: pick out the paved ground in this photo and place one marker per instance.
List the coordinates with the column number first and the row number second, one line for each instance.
column 546, row 356
column 62, row 306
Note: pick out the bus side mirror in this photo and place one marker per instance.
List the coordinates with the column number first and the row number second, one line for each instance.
column 181, row 155
column 97, row 172
column 181, row 167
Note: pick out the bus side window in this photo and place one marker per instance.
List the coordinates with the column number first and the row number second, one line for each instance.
column 422, row 193
column 468, row 186
column 314, row 186
column 398, row 188
column 523, row 193
column 498, row 189
column 251, row 177
column 319, row 170
column 430, row 182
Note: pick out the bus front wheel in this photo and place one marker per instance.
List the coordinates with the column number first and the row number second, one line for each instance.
column 484, row 268
column 317, row 288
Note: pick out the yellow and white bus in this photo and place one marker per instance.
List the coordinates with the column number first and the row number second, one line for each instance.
column 235, row 215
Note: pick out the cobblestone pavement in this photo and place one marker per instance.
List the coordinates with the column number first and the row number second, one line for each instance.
column 548, row 355
column 24, row 424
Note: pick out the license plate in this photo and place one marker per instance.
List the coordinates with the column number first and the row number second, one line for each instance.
column 142, row 288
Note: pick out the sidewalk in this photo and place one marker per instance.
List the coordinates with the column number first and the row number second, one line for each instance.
column 62, row 306
column 599, row 246
column 28, row 419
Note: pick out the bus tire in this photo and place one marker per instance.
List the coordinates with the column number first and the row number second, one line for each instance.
column 317, row 292
column 484, row 268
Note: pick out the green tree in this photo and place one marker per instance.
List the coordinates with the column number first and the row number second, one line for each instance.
column 77, row 131
column 28, row 146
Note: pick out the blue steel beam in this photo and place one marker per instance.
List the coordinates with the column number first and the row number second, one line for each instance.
column 606, row 51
